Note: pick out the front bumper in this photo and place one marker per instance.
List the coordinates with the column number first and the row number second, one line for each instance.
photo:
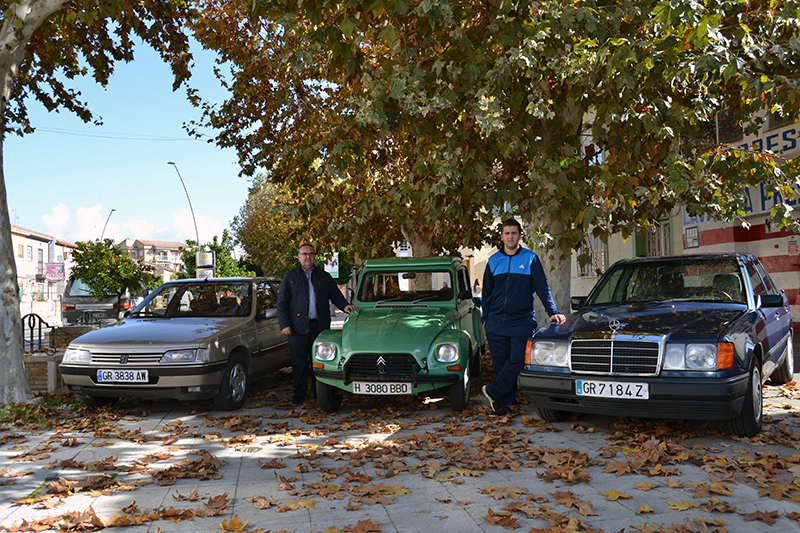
column 185, row 382
column 672, row 398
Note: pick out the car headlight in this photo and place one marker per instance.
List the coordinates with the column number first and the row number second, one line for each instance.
column 447, row 353
column 550, row 353
column 196, row 355
column 699, row 356
column 325, row 351
column 73, row 355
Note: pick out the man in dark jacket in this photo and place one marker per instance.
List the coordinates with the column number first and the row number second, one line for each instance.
column 513, row 276
column 303, row 312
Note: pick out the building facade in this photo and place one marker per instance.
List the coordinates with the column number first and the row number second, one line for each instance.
column 164, row 256
column 43, row 266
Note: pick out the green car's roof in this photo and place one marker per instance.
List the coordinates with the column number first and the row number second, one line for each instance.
column 412, row 262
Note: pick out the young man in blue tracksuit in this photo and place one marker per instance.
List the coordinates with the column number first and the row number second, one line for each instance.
column 512, row 278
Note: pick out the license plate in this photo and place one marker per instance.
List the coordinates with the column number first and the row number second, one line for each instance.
column 122, row 376
column 382, row 389
column 612, row 389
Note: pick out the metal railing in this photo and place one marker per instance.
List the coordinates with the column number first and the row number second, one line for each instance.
column 37, row 335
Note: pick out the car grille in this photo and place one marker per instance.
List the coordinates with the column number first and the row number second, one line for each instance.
column 611, row 356
column 132, row 359
column 370, row 364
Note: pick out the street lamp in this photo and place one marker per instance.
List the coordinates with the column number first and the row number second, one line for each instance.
column 106, row 224
column 197, row 234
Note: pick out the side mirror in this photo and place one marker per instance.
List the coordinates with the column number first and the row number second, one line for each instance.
column 576, row 302
column 465, row 295
column 271, row 313
column 769, row 300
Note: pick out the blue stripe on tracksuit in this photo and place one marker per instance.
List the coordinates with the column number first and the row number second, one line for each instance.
column 509, row 286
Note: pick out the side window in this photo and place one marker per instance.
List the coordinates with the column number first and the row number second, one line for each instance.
column 266, row 297
column 755, row 280
column 771, row 288
column 463, row 281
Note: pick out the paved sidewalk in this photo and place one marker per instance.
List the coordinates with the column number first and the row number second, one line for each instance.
column 396, row 465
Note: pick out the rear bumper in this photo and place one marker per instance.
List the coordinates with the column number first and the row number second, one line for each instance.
column 680, row 398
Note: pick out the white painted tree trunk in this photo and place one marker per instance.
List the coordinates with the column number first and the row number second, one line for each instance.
column 15, row 34
column 557, row 270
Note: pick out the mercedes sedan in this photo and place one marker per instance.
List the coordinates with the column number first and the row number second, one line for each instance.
column 685, row 337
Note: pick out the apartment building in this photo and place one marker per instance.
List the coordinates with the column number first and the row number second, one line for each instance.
column 164, row 256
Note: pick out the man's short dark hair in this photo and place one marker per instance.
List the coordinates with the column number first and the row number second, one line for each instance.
column 306, row 244
column 512, row 222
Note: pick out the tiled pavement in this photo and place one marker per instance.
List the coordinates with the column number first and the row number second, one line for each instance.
column 451, row 473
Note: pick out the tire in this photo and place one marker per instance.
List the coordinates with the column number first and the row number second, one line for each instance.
column 784, row 373
column 233, row 389
column 97, row 401
column 475, row 364
column 328, row 397
column 552, row 415
column 459, row 391
column 748, row 423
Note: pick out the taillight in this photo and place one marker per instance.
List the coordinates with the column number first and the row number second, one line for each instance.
column 126, row 306
column 68, row 307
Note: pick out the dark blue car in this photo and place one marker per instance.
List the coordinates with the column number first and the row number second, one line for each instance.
column 685, row 337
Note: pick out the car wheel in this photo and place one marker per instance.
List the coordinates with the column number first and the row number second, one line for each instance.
column 329, row 397
column 96, row 401
column 459, row 391
column 475, row 363
column 551, row 415
column 234, row 385
column 785, row 372
column 748, row 423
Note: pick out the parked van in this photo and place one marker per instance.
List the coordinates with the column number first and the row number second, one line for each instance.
column 79, row 307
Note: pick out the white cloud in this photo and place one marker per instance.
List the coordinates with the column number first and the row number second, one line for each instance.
column 55, row 224
column 207, row 227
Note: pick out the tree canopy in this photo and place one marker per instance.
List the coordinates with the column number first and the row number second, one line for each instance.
column 425, row 118
column 226, row 266
column 106, row 269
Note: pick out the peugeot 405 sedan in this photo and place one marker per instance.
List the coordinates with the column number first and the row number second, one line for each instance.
column 188, row 340
column 416, row 329
column 685, row 337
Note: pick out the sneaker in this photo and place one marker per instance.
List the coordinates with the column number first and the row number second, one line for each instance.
column 501, row 411
column 492, row 404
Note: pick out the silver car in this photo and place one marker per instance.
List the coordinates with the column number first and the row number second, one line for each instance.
column 189, row 339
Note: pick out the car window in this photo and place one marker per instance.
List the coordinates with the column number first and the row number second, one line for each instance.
column 755, row 280
column 768, row 283
column 406, row 286
column 221, row 299
column 689, row 279
column 463, row 282
column 265, row 297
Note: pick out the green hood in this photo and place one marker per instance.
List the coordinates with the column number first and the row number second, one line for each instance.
column 395, row 330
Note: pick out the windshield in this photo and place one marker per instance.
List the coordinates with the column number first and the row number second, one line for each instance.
column 204, row 298
column 689, row 279
column 408, row 286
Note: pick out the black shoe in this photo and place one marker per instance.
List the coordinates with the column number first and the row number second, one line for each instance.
column 297, row 400
column 500, row 411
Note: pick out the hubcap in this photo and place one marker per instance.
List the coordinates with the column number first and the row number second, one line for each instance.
column 757, row 394
column 237, row 382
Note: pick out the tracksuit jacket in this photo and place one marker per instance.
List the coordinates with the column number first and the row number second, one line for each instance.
column 509, row 284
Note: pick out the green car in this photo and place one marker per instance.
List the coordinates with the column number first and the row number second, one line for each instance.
column 412, row 333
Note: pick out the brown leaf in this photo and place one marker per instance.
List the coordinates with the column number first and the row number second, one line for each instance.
column 302, row 503
column 261, row 502
column 505, row 520
column 193, row 496
column 613, row 495
column 363, row 526
column 235, row 524
column 770, row 518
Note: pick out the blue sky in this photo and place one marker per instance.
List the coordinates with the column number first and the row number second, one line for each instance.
column 65, row 179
